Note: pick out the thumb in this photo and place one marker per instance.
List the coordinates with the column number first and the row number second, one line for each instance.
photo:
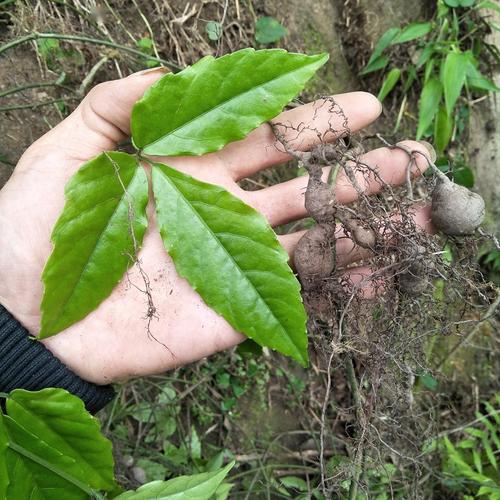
column 103, row 117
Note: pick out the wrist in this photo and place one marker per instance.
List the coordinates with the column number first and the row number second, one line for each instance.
column 27, row 364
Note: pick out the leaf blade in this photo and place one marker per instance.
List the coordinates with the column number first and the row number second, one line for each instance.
column 269, row 30
column 443, row 129
column 382, row 44
column 4, row 476
column 217, row 101
column 453, row 78
column 200, row 486
column 232, row 258
column 60, row 421
column 389, row 82
column 93, row 242
column 412, row 32
column 428, row 104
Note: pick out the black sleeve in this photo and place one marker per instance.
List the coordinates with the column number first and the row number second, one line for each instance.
column 27, row 364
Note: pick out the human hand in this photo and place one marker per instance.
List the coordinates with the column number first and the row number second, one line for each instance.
column 112, row 343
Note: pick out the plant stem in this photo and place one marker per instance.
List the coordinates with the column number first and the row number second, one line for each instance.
column 21, row 88
column 332, row 176
column 359, row 456
column 85, row 39
column 29, row 106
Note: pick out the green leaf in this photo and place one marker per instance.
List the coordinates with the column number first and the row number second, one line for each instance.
column 232, row 258
column 269, row 30
column 476, row 458
column 443, row 129
column 55, row 448
column 30, row 479
column 412, row 32
column 477, row 80
column 428, row 104
column 453, row 78
column 488, row 5
column 59, row 421
column 429, row 381
column 200, row 486
column 495, row 414
column 389, row 82
column 93, row 241
column 213, row 30
column 222, row 491
column 382, row 44
column 145, row 45
column 297, row 483
column 249, row 349
column 463, row 176
column 4, row 478
column 379, row 63
column 154, row 471
column 489, row 452
column 426, row 54
column 216, row 101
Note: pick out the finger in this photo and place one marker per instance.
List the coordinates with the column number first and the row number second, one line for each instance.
column 102, row 119
column 284, row 202
column 347, row 252
column 364, row 282
column 303, row 127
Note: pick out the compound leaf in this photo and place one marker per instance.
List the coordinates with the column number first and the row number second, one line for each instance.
column 216, row 101
column 201, row 486
column 56, row 449
column 231, row 256
column 95, row 238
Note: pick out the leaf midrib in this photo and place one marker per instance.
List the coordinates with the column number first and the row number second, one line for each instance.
column 199, row 117
column 46, row 425
column 73, row 291
column 200, row 218
column 20, row 450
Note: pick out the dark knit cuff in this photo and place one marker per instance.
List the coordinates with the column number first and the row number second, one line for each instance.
column 27, row 364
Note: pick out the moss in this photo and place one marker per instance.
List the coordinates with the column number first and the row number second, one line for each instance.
column 335, row 77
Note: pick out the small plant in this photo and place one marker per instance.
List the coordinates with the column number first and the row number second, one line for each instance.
column 51, row 447
column 445, row 65
column 470, row 465
column 269, row 30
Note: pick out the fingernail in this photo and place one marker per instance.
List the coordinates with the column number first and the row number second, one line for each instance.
column 160, row 70
column 432, row 151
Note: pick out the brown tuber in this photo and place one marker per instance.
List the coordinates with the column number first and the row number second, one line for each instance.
column 320, row 202
column 314, row 257
column 363, row 236
column 455, row 210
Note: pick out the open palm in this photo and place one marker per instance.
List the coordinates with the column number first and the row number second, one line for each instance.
column 112, row 342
